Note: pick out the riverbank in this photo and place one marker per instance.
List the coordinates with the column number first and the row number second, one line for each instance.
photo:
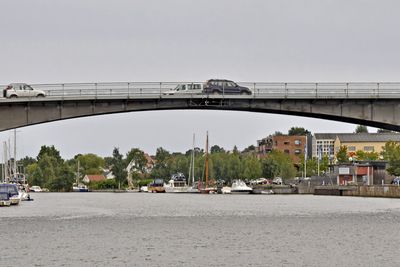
column 386, row 191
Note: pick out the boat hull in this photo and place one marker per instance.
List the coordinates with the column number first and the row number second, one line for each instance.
column 237, row 192
column 5, row 203
column 156, row 189
column 176, row 189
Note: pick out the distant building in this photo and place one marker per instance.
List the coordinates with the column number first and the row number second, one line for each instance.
column 362, row 173
column 93, row 178
column 367, row 142
column 293, row 145
column 324, row 144
column 329, row 143
column 108, row 174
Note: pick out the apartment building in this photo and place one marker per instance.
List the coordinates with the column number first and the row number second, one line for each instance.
column 293, row 145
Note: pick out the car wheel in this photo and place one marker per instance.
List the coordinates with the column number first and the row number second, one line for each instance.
column 40, row 95
column 13, row 96
column 215, row 92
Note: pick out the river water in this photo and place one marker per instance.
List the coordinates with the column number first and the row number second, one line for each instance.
column 139, row 229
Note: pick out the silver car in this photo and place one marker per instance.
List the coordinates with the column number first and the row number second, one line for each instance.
column 14, row 90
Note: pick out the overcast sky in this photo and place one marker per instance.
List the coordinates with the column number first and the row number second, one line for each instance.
column 57, row 41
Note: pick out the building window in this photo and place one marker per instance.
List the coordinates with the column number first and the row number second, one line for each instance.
column 297, row 142
column 286, row 143
column 369, row 148
column 297, row 151
column 286, row 151
column 351, row 148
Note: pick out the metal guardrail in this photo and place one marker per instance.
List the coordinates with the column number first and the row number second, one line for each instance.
column 262, row 90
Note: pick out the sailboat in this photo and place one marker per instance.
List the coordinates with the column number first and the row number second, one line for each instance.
column 205, row 188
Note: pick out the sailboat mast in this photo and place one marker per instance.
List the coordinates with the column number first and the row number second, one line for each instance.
column 206, row 160
column 193, row 160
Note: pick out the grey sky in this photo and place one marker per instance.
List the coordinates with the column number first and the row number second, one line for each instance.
column 93, row 41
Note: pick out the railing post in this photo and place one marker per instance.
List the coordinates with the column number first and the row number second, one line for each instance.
column 63, row 91
column 95, row 85
column 377, row 93
column 316, row 90
column 286, row 91
column 128, row 89
column 254, row 90
column 160, row 89
column 347, row 90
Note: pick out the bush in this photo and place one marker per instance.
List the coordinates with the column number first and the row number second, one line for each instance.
column 105, row 184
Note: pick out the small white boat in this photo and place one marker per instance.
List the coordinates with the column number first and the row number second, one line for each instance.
column 80, row 188
column 226, row 190
column 144, row 189
column 240, row 187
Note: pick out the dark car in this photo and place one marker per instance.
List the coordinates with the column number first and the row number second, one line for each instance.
column 216, row 86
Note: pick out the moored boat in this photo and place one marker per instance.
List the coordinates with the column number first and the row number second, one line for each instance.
column 177, row 184
column 157, row 186
column 80, row 187
column 12, row 191
column 4, row 199
column 240, row 187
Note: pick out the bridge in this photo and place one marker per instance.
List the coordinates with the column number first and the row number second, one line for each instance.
column 371, row 104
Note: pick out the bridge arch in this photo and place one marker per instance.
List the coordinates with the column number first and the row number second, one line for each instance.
column 379, row 113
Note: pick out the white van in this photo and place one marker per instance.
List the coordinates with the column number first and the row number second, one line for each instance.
column 186, row 88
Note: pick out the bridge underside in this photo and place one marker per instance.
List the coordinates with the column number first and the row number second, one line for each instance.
column 380, row 113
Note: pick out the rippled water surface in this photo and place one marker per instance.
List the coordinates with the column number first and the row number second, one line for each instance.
column 139, row 229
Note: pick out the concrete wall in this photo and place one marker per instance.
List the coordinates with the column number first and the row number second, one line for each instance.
column 374, row 191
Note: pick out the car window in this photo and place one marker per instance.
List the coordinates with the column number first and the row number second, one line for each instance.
column 189, row 86
column 221, row 84
column 183, row 87
column 196, row 86
column 231, row 84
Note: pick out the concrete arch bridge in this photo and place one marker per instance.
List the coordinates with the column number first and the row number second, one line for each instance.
column 371, row 104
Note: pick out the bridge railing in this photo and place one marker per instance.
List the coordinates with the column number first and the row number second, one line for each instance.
column 268, row 90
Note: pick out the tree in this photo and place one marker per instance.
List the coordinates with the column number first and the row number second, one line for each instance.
column 50, row 171
column 50, row 151
column 161, row 167
column 361, row 155
column 391, row 153
column 138, row 157
column 118, row 167
column 27, row 161
column 90, row 164
column 298, row 131
column 361, row 129
column 341, row 155
column 270, row 167
column 217, row 149
column 251, row 168
column 278, row 163
column 248, row 149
